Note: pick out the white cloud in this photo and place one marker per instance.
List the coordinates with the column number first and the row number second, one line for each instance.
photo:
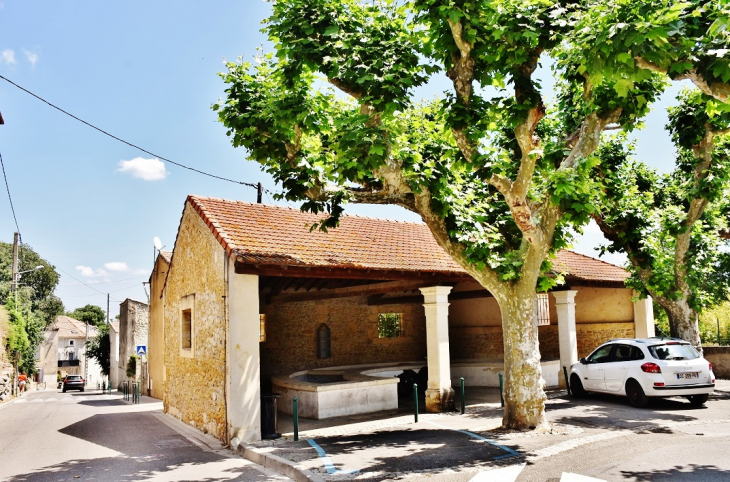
column 8, row 56
column 147, row 169
column 116, row 266
column 32, row 57
column 90, row 272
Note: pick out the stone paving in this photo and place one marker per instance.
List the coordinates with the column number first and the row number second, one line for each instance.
column 456, row 447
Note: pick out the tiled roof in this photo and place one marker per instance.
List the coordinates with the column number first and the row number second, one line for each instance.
column 582, row 267
column 268, row 235
column 71, row 328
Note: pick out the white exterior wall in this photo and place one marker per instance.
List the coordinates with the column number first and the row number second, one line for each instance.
column 244, row 362
column 115, row 375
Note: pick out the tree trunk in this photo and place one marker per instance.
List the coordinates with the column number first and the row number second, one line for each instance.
column 524, row 397
column 683, row 321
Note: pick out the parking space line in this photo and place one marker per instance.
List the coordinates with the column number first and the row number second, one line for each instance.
column 510, row 452
column 327, row 462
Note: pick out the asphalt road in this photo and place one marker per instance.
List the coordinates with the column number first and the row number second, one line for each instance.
column 48, row 435
column 599, row 438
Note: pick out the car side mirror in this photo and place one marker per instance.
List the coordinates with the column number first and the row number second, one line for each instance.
column 583, row 361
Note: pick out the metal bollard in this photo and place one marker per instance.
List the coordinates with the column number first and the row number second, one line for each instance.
column 501, row 389
column 415, row 402
column 567, row 381
column 463, row 397
column 295, row 415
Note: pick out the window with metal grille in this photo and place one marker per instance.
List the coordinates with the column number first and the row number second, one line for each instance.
column 187, row 332
column 262, row 328
column 542, row 309
column 390, row 325
column 324, row 342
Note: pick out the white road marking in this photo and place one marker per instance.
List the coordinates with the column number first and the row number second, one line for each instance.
column 503, row 474
column 568, row 477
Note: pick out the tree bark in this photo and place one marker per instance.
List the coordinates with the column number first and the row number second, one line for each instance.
column 524, row 397
column 683, row 321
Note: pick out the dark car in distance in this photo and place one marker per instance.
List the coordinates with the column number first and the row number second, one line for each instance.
column 73, row 382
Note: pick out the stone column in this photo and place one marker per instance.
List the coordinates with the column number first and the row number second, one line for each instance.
column 439, row 394
column 243, row 361
column 565, row 306
column 643, row 318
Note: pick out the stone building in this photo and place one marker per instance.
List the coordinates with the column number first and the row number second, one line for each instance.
column 63, row 352
column 134, row 320
column 252, row 299
column 156, row 348
column 116, row 374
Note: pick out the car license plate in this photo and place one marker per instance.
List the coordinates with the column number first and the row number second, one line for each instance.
column 687, row 375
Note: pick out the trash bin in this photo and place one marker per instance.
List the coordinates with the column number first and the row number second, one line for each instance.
column 268, row 416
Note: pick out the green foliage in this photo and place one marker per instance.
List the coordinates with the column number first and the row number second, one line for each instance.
column 132, row 366
column 99, row 348
column 39, row 283
column 644, row 213
column 319, row 145
column 389, row 325
column 90, row 314
column 678, row 37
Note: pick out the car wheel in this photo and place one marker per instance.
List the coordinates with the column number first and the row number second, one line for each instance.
column 82, row 390
column 698, row 400
column 576, row 387
column 637, row 397
column 64, row 390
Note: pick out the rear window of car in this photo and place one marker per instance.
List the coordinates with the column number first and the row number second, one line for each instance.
column 674, row 352
column 73, row 377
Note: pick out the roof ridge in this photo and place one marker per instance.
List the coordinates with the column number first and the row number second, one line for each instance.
column 593, row 259
column 290, row 208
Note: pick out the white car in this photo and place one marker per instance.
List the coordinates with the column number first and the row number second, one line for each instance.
column 644, row 368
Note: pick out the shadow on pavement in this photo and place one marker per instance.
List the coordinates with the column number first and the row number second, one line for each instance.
column 147, row 449
column 705, row 473
column 610, row 412
column 152, row 467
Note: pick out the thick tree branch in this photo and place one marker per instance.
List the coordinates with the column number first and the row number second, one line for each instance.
column 345, row 88
column 719, row 91
column 586, row 139
column 462, row 76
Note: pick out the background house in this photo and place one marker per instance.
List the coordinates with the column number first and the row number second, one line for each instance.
column 251, row 294
column 116, row 374
column 63, row 352
column 134, row 317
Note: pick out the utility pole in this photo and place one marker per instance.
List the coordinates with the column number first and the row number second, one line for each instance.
column 107, row 308
column 15, row 262
column 260, row 193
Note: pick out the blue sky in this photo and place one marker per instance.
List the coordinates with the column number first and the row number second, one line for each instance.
column 145, row 72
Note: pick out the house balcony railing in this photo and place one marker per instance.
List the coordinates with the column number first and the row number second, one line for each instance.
column 67, row 363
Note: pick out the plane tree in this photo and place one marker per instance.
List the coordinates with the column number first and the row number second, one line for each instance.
column 500, row 178
column 671, row 226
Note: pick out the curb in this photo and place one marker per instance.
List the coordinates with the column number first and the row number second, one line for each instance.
column 277, row 464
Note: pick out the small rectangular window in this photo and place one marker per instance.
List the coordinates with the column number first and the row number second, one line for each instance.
column 187, row 332
column 542, row 309
column 70, row 343
column 262, row 328
column 390, row 325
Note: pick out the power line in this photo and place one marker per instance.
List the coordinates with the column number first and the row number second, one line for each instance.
column 255, row 186
column 88, row 286
column 11, row 199
column 107, row 282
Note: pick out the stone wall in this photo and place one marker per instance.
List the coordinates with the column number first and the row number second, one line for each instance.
column 719, row 356
column 156, row 343
column 196, row 378
column 590, row 335
column 291, row 334
column 133, row 331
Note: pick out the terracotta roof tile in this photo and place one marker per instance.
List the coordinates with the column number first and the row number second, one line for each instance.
column 72, row 328
column 272, row 235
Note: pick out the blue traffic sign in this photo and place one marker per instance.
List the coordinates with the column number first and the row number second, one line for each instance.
column 141, row 349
